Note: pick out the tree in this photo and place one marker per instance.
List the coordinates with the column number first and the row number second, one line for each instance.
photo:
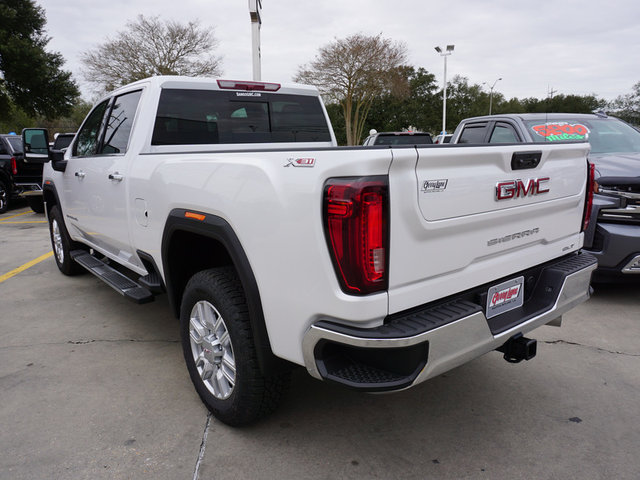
column 34, row 81
column 69, row 123
column 419, row 107
column 627, row 107
column 466, row 100
column 151, row 47
column 354, row 71
column 563, row 104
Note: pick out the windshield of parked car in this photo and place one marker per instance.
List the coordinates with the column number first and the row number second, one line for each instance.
column 606, row 135
column 16, row 143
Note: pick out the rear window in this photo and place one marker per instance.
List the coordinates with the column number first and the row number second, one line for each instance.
column 15, row 142
column 406, row 139
column 604, row 135
column 187, row 117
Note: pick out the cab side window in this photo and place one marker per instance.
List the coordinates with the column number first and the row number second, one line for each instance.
column 89, row 135
column 473, row 133
column 120, row 121
column 503, row 133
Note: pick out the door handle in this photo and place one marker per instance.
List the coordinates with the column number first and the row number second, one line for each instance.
column 80, row 174
column 116, row 177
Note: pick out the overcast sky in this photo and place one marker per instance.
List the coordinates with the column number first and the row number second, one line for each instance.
column 573, row 47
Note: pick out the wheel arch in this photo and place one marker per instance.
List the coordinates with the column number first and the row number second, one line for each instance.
column 50, row 196
column 191, row 245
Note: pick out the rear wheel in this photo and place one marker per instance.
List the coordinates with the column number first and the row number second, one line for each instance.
column 62, row 244
column 220, row 353
column 4, row 196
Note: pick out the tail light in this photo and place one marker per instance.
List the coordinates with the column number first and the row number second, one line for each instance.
column 588, row 204
column 356, row 214
column 14, row 166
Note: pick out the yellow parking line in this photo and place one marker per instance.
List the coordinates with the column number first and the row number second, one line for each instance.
column 25, row 221
column 22, row 268
column 13, row 216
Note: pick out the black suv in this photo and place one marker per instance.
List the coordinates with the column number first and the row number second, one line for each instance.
column 17, row 176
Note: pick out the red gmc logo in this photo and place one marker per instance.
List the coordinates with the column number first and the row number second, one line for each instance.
column 518, row 188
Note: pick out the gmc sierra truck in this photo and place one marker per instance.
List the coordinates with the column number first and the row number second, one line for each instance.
column 375, row 268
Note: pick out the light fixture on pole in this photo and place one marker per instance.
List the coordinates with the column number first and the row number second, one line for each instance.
column 256, row 22
column 491, row 92
column 445, row 54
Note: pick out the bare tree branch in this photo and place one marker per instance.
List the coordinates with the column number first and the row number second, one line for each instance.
column 352, row 72
column 148, row 47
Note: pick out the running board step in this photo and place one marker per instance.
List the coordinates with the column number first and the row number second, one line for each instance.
column 152, row 282
column 116, row 280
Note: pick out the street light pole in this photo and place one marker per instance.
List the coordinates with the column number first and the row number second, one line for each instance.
column 256, row 22
column 491, row 93
column 445, row 54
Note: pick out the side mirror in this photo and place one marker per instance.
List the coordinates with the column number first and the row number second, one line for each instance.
column 58, row 162
column 35, row 142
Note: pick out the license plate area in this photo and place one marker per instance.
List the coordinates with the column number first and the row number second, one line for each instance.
column 505, row 297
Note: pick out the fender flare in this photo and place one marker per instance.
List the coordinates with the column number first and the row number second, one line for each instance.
column 218, row 229
column 49, row 187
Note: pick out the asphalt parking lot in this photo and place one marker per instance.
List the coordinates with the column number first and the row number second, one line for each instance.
column 94, row 387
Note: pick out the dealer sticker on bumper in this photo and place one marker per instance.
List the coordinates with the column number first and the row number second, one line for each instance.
column 504, row 297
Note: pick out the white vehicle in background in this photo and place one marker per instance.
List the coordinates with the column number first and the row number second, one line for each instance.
column 373, row 268
column 443, row 138
column 397, row 138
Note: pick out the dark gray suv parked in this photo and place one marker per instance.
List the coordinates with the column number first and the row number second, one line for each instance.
column 614, row 231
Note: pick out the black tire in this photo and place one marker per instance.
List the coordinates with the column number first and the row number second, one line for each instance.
column 217, row 296
column 36, row 203
column 62, row 244
column 5, row 195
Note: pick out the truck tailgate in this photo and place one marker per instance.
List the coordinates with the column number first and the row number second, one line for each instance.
column 462, row 216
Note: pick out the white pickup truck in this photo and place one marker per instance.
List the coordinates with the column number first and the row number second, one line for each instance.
column 373, row 267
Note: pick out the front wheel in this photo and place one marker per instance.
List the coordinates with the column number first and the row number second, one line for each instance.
column 219, row 350
column 62, row 244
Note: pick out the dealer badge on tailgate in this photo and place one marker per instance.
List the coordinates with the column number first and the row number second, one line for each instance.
column 504, row 297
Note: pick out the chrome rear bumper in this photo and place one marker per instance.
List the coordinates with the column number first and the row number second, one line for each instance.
column 446, row 336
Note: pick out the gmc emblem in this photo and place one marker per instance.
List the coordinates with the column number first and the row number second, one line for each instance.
column 518, row 188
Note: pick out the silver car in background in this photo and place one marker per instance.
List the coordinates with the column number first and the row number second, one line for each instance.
column 615, row 151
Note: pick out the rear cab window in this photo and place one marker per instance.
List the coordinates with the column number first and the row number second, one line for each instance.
column 504, row 133
column 188, row 117
column 473, row 133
